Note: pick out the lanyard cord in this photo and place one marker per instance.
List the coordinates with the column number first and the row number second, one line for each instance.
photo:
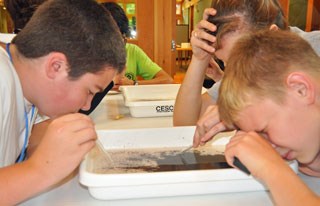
column 26, row 136
column 8, row 51
column 23, row 151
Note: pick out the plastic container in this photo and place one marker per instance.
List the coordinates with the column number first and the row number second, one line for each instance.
column 162, row 184
column 150, row 100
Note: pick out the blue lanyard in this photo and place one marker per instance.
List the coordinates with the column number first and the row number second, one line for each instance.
column 26, row 136
column 8, row 51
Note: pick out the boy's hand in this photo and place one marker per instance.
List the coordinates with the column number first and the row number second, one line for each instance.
column 126, row 81
column 121, row 79
column 208, row 126
column 255, row 152
column 66, row 141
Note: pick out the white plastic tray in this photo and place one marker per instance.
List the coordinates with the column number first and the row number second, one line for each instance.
column 162, row 184
column 150, row 100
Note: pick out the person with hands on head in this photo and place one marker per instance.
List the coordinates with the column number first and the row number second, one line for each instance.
column 228, row 20
column 189, row 102
column 67, row 52
column 209, row 124
column 271, row 92
column 192, row 107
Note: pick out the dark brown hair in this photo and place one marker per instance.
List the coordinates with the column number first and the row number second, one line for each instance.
column 119, row 16
column 21, row 11
column 80, row 29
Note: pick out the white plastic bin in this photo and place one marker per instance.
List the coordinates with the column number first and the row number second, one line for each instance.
column 150, row 100
column 162, row 184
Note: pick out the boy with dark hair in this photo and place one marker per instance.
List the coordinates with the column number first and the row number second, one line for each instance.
column 67, row 52
column 20, row 12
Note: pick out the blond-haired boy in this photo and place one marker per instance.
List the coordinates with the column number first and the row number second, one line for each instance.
column 271, row 93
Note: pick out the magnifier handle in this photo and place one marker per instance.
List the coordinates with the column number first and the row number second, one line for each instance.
column 238, row 164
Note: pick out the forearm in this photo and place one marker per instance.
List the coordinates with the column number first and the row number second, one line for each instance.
column 160, row 78
column 22, row 181
column 154, row 81
column 288, row 189
column 188, row 102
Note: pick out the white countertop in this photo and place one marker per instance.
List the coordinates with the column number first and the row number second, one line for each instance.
column 112, row 114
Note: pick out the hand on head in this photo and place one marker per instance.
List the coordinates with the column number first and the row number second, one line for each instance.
column 202, row 42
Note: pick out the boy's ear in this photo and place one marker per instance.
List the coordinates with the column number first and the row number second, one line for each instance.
column 56, row 65
column 301, row 86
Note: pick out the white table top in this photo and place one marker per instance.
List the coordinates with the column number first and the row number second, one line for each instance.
column 106, row 116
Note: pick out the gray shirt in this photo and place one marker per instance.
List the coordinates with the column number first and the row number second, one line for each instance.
column 312, row 37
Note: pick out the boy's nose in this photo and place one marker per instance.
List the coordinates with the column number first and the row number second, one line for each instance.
column 87, row 104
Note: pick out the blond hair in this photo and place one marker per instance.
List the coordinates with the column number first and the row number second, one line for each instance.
column 260, row 63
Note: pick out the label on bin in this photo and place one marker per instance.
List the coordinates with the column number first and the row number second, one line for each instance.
column 164, row 108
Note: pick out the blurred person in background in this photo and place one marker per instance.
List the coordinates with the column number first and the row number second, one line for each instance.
column 138, row 63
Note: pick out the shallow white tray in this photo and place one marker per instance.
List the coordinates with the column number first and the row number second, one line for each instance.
column 150, row 100
column 162, row 184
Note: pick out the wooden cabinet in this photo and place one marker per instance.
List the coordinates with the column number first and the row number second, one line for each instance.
column 312, row 13
column 156, row 21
